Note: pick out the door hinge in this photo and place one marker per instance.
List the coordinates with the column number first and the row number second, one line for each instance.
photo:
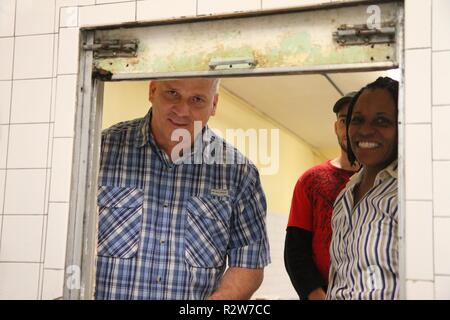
column 347, row 35
column 113, row 48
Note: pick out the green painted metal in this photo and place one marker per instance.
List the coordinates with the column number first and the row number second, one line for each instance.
column 283, row 40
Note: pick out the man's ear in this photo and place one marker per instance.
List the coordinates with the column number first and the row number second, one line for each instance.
column 215, row 101
column 335, row 126
column 151, row 90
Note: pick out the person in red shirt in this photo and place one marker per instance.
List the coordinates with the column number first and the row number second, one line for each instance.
column 308, row 234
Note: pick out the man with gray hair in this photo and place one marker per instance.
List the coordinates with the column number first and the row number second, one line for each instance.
column 168, row 226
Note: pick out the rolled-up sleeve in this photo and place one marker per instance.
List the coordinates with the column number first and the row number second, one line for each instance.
column 249, row 245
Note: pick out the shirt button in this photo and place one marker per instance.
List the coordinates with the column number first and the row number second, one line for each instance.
column 158, row 279
column 165, row 204
column 162, row 241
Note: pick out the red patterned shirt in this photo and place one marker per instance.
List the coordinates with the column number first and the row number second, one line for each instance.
column 312, row 207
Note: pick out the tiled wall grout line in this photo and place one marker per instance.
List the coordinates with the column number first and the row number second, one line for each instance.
column 21, row 262
column 54, row 269
column 432, row 156
column 24, row 215
column 9, row 125
column 49, row 150
column 29, row 35
column 33, row 78
column 440, row 50
column 29, row 123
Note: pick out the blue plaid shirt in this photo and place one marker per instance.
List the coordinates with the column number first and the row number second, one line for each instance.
column 167, row 229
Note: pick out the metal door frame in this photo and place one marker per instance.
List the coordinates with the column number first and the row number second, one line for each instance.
column 79, row 280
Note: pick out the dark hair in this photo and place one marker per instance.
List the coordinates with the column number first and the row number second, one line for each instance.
column 386, row 83
column 344, row 100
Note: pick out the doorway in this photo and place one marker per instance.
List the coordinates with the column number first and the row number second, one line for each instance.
column 289, row 50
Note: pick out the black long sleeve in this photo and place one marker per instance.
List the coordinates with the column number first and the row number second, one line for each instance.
column 299, row 263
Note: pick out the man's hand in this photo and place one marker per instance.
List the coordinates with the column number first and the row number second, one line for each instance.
column 238, row 284
column 317, row 294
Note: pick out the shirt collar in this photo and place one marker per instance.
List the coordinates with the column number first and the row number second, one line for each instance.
column 389, row 171
column 144, row 136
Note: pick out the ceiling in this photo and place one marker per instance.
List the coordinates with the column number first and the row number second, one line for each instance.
column 301, row 103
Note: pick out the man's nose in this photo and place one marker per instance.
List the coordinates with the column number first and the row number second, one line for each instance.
column 181, row 108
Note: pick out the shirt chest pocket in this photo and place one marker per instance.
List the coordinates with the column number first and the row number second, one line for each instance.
column 120, row 220
column 207, row 231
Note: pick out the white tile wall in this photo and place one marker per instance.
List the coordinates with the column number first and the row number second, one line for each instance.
column 441, row 25
column 71, row 3
column 206, row 7
column 419, row 290
column 110, row 1
column 69, row 17
column 28, row 146
column 55, row 54
column 53, row 103
column 68, row 50
column 33, row 57
column 3, row 145
column 418, row 166
column 21, row 239
column 19, row 281
column 419, row 240
column 442, row 288
column 5, row 101
column 2, row 189
column 7, row 17
column 47, row 191
column 65, row 106
column 155, row 10
column 43, row 244
column 53, row 284
column 418, row 86
column 441, row 77
column 25, row 184
column 55, row 249
column 441, row 133
column 115, row 13
column 441, row 187
column 6, row 58
column 31, row 101
column 417, row 35
column 275, row 4
column 441, row 246
column 40, row 282
column 59, row 4
column 61, row 170
column 35, row 17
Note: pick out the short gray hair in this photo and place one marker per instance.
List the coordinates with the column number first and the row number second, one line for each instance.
column 216, row 85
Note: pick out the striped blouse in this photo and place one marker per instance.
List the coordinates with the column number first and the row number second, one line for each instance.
column 364, row 246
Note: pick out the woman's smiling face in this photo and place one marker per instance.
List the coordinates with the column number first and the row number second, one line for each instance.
column 373, row 129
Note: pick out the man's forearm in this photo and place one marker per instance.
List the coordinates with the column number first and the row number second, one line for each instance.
column 238, row 284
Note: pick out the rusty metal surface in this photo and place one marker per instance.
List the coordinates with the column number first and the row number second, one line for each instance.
column 274, row 41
